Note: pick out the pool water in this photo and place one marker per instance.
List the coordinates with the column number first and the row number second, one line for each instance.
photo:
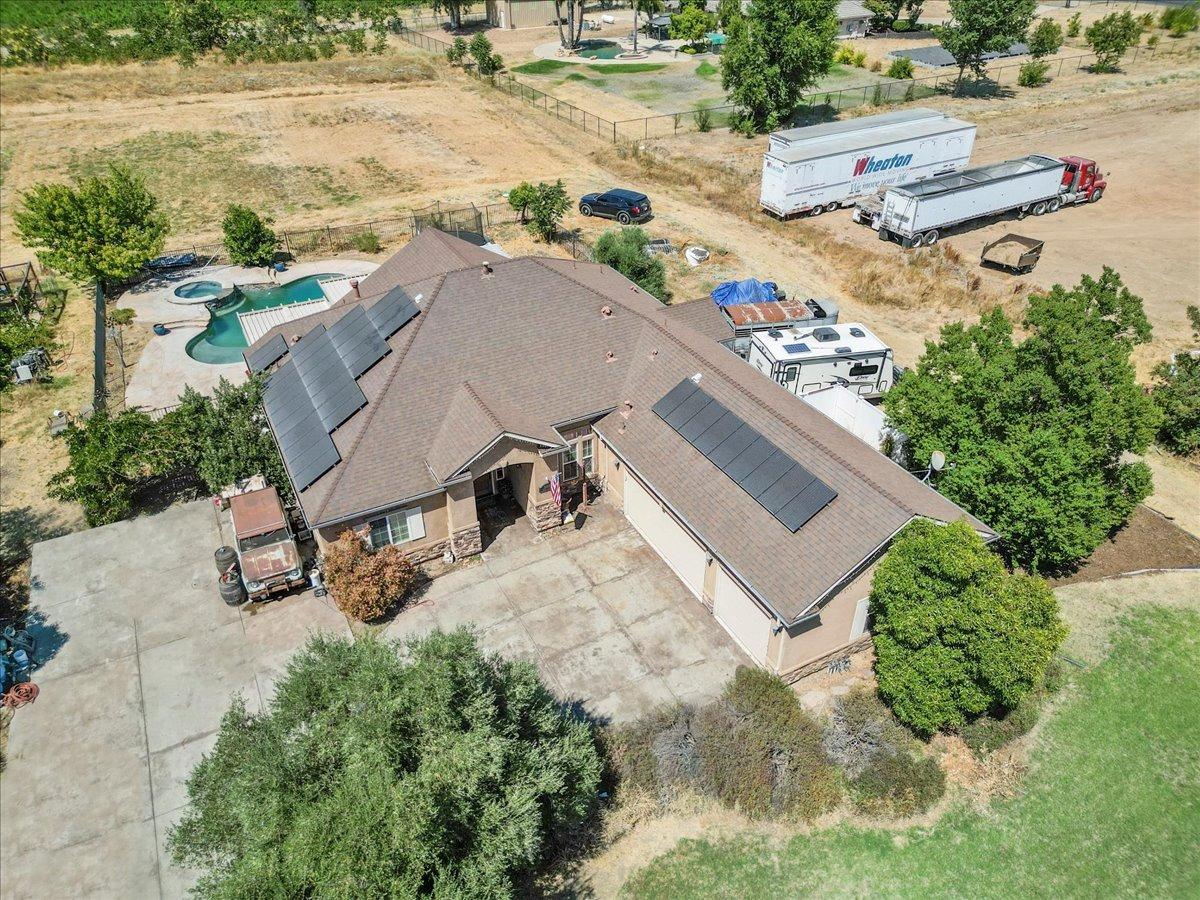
column 223, row 341
column 600, row 50
column 198, row 290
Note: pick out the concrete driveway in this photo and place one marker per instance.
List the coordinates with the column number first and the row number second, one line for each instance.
column 141, row 659
column 601, row 615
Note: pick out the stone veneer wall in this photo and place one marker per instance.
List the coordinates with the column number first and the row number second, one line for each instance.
column 546, row 515
column 463, row 543
column 815, row 665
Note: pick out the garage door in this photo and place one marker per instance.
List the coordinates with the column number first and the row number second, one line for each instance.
column 665, row 535
column 742, row 617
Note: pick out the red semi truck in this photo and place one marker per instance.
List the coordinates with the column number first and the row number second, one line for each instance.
column 918, row 213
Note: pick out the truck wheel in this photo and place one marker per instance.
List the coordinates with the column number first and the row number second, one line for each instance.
column 1054, row 205
column 930, row 238
column 1096, row 195
column 833, row 207
column 1039, row 209
column 816, row 210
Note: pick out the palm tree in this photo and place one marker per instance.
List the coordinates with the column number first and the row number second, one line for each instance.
column 570, row 40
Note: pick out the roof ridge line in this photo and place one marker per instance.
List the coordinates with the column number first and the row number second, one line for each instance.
column 372, row 408
column 487, row 409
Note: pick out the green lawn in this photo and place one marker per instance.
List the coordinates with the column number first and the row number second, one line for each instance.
column 542, row 67
column 1111, row 807
column 627, row 68
column 708, row 70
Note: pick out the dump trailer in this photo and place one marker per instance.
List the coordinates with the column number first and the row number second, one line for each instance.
column 808, row 171
column 917, row 214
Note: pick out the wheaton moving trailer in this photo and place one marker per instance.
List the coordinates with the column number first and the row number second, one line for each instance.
column 916, row 214
column 820, row 168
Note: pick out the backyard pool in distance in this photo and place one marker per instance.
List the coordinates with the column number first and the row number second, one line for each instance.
column 222, row 342
column 600, row 50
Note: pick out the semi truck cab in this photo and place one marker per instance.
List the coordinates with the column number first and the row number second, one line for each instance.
column 1082, row 181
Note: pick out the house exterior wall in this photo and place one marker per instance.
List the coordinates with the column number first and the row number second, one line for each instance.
column 801, row 650
column 853, row 27
column 435, row 515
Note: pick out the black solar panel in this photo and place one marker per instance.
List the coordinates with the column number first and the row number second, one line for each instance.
column 335, row 395
column 795, row 348
column 304, row 441
column 674, row 397
column 357, row 342
column 392, row 312
column 783, row 487
column 268, row 354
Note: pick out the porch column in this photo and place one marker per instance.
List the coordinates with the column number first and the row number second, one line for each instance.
column 540, row 507
column 463, row 520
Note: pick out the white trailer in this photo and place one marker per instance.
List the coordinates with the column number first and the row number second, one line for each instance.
column 823, row 167
column 809, row 359
column 917, row 214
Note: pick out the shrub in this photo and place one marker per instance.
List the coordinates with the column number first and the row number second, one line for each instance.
column 1033, row 73
column 1046, row 39
column 1146, row 20
column 1177, row 395
column 877, row 95
column 521, row 198
column 1152, row 41
column 901, row 67
column 860, row 59
column 754, row 749
column 1179, row 20
column 366, row 583
column 1074, row 24
column 249, row 239
column 457, row 51
column 108, row 457
column 844, row 55
column 355, row 41
column 17, row 337
column 546, row 209
column 877, row 66
column 366, row 242
column 325, row 48
column 624, row 249
column 955, row 634
column 1110, row 37
column 898, row 784
column 486, row 62
column 703, row 118
column 441, row 772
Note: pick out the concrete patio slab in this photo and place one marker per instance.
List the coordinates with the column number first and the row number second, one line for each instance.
column 542, row 582
column 643, row 594
column 598, row 668
column 482, row 605
column 567, row 623
column 170, row 768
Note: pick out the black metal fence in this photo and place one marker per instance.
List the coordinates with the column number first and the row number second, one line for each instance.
column 814, row 107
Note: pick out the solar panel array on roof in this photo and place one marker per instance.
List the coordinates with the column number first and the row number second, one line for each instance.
column 795, row 348
column 357, row 341
column 316, row 389
column 393, row 312
column 782, row 486
column 303, row 439
column 268, row 354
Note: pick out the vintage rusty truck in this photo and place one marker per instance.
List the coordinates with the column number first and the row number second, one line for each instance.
column 268, row 555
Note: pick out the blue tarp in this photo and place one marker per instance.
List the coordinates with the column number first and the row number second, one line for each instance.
column 750, row 290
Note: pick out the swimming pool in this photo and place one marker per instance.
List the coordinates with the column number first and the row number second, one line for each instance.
column 222, row 341
column 600, row 50
column 198, row 290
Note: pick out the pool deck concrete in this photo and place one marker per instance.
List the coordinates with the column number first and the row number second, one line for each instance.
column 164, row 369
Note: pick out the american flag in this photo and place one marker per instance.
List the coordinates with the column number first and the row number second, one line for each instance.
column 556, row 489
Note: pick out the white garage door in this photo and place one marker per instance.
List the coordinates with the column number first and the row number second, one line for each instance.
column 742, row 617
column 665, row 535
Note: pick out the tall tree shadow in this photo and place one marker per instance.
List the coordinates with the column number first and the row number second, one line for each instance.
column 20, row 529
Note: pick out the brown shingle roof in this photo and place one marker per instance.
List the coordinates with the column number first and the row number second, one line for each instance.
column 704, row 316
column 535, row 343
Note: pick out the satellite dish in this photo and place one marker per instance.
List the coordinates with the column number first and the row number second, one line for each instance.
column 937, row 460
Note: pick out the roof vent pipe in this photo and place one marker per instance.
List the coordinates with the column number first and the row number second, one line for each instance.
column 606, row 311
column 610, row 356
column 487, row 269
column 354, row 287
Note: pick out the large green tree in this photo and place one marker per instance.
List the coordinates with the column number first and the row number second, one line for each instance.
column 440, row 772
column 1110, row 37
column 224, row 437
column 625, row 250
column 773, row 54
column 1037, row 429
column 98, row 231
column 248, row 237
column 956, row 635
column 978, row 27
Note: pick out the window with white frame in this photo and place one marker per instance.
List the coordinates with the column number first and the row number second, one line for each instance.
column 397, row 528
column 587, row 456
column 579, row 456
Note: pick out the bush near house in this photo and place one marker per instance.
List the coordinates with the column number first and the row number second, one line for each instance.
column 366, row 582
column 956, row 636
column 438, row 772
column 625, row 250
column 1177, row 395
column 1110, row 38
column 901, row 67
column 754, row 749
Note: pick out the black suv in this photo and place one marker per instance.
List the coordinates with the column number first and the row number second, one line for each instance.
column 620, row 204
